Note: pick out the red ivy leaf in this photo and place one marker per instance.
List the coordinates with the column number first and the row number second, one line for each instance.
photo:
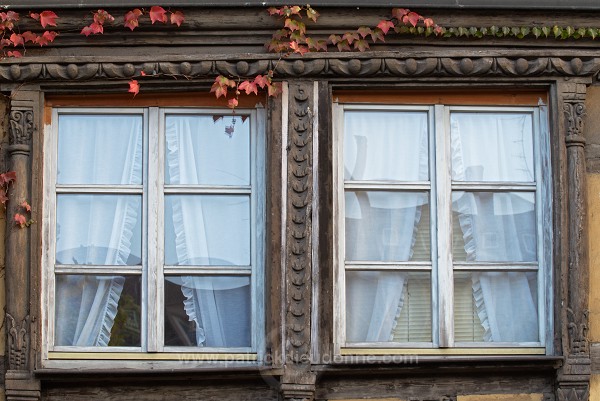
column 411, row 18
column 361, row 45
column 177, row 18
column 157, row 13
column 131, row 18
column 334, row 39
column 297, row 48
column 35, row 16
column 16, row 39
column 350, row 37
column 385, row 26
column 102, row 16
column 274, row 89
column 46, row 38
column 29, row 36
column 364, row 31
column 428, row 22
column 87, row 31
column 15, row 54
column 12, row 16
column 219, row 87
column 25, row 206
column 399, row 13
column 232, row 103
column 274, row 11
column 8, row 177
column 20, row 220
column 312, row 14
column 377, row 34
column 249, row 87
column 47, row 18
column 261, row 81
column 134, row 87
column 343, row 46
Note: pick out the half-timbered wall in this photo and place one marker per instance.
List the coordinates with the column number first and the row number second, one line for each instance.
column 299, row 205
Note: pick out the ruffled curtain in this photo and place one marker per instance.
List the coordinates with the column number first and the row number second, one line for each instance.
column 204, row 229
column 95, row 229
column 381, row 225
column 501, row 226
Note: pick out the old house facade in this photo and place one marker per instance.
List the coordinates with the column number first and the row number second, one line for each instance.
column 412, row 222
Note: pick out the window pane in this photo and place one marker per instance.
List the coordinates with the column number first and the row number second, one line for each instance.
column 496, row 307
column 388, row 307
column 495, row 227
column 492, row 147
column 100, row 149
column 387, row 226
column 98, row 310
column 209, row 150
column 207, row 230
column 207, row 311
column 99, row 229
column 386, row 145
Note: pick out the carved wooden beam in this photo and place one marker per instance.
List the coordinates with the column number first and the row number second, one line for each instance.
column 18, row 381
column 574, row 376
column 298, row 382
column 345, row 65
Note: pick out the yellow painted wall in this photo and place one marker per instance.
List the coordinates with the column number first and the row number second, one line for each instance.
column 592, row 133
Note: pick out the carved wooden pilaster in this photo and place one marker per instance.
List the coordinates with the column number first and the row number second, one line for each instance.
column 297, row 382
column 574, row 377
column 20, row 385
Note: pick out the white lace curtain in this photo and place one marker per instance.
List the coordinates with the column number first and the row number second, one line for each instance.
column 209, row 229
column 501, row 226
column 95, row 229
column 381, row 226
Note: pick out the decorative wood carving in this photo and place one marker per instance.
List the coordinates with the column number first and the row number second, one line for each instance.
column 574, row 376
column 343, row 66
column 18, row 342
column 21, row 127
column 19, row 381
column 298, row 381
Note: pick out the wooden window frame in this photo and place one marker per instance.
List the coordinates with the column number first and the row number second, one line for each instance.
column 440, row 187
column 152, row 271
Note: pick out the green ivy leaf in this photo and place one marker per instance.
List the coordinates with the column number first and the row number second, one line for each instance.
column 515, row 30
column 546, row 31
column 484, row 31
column 493, row 30
column 592, row 32
column 463, row 31
column 428, row 31
column 537, row 31
column 505, row 31
column 581, row 32
column 557, row 31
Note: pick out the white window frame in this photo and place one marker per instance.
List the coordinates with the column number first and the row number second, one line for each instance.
column 441, row 265
column 152, row 269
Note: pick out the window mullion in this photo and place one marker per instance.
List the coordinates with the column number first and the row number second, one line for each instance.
column 444, row 233
column 155, row 203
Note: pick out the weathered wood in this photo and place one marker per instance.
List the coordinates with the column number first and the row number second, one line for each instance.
column 24, row 120
column 573, row 379
column 297, row 382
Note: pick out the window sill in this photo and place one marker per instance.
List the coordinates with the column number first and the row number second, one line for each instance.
column 441, row 351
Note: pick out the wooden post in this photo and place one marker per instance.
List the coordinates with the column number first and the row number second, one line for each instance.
column 574, row 376
column 298, row 382
column 19, row 381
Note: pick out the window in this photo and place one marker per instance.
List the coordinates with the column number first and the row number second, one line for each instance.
column 154, row 233
column 441, row 234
